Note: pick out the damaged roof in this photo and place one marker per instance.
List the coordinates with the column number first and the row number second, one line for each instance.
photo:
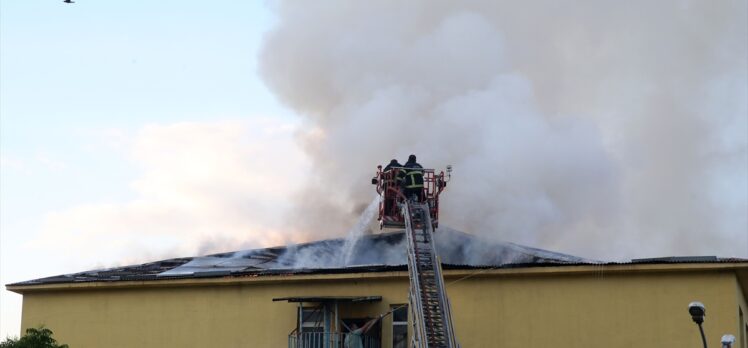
column 371, row 253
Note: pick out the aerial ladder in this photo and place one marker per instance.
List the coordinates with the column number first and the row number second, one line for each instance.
column 428, row 302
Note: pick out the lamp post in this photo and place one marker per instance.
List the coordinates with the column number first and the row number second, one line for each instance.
column 698, row 312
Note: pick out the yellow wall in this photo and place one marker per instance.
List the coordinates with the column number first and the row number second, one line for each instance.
column 491, row 309
column 646, row 310
column 205, row 316
column 741, row 331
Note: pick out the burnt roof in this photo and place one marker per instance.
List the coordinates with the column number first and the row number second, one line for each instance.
column 371, row 253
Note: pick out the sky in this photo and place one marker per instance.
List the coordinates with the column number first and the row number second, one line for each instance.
column 135, row 131
column 95, row 100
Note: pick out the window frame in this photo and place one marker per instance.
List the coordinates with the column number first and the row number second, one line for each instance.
column 402, row 324
column 318, row 323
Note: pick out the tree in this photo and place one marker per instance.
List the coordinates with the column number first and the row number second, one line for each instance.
column 34, row 338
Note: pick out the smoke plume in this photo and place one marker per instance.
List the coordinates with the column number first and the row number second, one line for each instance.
column 604, row 129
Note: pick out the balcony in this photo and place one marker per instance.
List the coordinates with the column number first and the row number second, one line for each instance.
column 327, row 340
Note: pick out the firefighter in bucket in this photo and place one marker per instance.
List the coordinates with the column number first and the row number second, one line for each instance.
column 413, row 180
column 398, row 184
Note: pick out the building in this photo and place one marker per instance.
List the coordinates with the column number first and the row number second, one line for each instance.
column 502, row 295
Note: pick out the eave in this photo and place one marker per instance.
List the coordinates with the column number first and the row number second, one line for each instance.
column 740, row 268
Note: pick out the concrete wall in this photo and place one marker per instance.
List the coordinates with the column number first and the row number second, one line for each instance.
column 491, row 309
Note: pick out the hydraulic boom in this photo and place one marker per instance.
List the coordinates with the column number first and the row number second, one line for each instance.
column 419, row 215
column 432, row 320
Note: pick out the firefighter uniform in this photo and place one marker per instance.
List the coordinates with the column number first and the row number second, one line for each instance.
column 413, row 181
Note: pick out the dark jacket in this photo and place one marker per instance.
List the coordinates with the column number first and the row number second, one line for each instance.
column 394, row 177
column 392, row 164
column 413, row 175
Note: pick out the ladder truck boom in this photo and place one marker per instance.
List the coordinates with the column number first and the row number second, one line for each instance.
column 432, row 319
column 428, row 302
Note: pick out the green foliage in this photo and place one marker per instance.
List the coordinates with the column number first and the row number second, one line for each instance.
column 34, row 338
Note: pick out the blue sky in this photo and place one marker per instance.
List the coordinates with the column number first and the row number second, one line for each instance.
column 80, row 82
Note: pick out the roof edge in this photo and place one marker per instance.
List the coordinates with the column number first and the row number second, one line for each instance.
column 448, row 273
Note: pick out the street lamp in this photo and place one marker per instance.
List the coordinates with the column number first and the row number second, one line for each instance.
column 698, row 312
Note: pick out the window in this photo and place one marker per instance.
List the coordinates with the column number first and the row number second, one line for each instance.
column 312, row 330
column 399, row 326
column 312, row 320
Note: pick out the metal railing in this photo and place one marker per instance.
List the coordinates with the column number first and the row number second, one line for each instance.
column 329, row 340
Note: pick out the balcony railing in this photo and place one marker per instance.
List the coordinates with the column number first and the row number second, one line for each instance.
column 328, row 340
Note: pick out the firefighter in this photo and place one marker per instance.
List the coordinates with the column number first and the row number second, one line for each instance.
column 413, row 183
column 393, row 163
column 392, row 177
column 394, row 173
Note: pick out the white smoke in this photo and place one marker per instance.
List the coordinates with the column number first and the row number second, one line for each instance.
column 604, row 129
column 338, row 253
column 358, row 230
